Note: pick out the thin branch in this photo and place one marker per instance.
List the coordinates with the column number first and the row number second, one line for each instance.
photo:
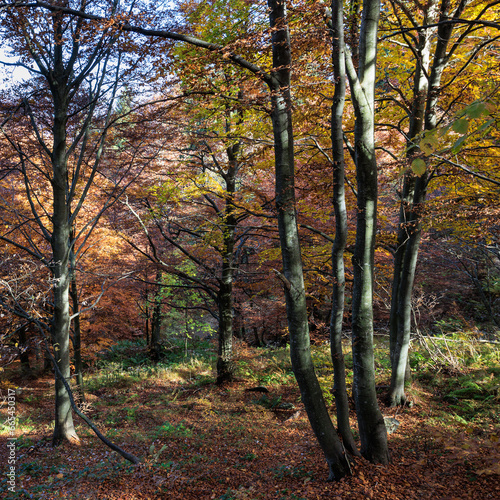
column 212, row 47
column 465, row 169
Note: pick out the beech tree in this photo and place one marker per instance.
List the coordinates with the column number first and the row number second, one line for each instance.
column 199, row 212
column 336, row 26
column 433, row 36
column 75, row 67
column 357, row 61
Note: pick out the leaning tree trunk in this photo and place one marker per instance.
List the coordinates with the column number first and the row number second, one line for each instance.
column 293, row 280
column 339, row 244
column 371, row 424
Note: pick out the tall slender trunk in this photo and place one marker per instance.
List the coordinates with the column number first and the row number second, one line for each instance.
column 225, row 363
column 61, row 247
column 147, row 312
column 423, row 117
column 154, row 346
column 371, row 424
column 293, row 280
column 65, row 64
column 406, row 245
column 339, row 387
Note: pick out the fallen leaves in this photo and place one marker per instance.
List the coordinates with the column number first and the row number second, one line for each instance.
column 211, row 443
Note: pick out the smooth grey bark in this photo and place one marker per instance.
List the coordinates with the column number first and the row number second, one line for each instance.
column 292, row 278
column 426, row 91
column 225, row 363
column 339, row 244
column 60, row 64
column 60, row 243
column 402, row 283
column 371, row 424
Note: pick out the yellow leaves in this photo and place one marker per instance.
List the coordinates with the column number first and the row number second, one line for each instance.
column 470, row 124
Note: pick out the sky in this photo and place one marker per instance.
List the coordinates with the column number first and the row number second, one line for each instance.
column 9, row 74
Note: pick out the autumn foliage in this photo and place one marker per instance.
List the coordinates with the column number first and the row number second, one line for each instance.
column 171, row 175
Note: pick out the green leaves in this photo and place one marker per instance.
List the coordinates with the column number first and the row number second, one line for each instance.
column 473, row 120
column 429, row 143
column 460, row 126
column 418, row 166
column 464, row 121
column 479, row 108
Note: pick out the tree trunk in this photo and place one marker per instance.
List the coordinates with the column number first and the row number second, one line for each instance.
column 146, row 310
column 339, row 387
column 23, row 352
column 60, row 242
column 402, row 283
column 59, row 61
column 399, row 356
column 154, row 347
column 225, row 363
column 372, row 428
column 300, row 353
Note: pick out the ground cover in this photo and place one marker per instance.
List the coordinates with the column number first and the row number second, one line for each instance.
column 200, row 441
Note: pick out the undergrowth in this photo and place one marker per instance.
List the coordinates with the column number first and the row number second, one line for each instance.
column 459, row 373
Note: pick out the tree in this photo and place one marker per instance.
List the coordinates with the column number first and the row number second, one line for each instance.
column 197, row 211
column 281, row 116
column 435, row 45
column 360, row 66
column 59, row 156
column 341, row 232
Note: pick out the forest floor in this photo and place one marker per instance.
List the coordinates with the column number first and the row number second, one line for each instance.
column 200, row 441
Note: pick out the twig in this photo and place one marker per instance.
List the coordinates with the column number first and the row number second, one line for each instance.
column 106, row 441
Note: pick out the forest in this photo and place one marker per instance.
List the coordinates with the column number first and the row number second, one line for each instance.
column 250, row 250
